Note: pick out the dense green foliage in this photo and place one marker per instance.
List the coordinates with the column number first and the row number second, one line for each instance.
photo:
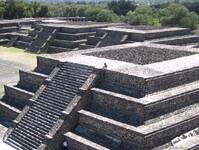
column 167, row 15
column 178, row 15
column 121, row 10
column 121, row 7
column 101, row 15
column 143, row 15
column 12, row 9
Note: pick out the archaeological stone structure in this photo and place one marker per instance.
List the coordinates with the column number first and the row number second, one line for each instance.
column 56, row 35
column 119, row 87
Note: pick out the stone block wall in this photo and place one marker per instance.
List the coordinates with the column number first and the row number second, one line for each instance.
column 45, row 65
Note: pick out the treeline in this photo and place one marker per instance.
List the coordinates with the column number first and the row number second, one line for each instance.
column 115, row 11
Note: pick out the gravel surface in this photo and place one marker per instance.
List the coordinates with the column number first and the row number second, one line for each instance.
column 141, row 55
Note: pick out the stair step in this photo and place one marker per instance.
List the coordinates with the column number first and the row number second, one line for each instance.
column 37, row 133
column 78, row 70
column 8, row 29
column 47, row 108
column 14, row 144
column 80, row 143
column 191, row 143
column 4, row 41
column 178, row 40
column 68, row 81
column 30, row 138
column 21, row 44
column 47, row 114
column 57, row 49
column 40, row 119
column 154, row 105
column 54, row 102
column 163, row 130
column 78, row 66
column 50, row 106
column 62, row 86
column 30, row 125
column 69, row 78
column 72, row 76
column 30, row 81
column 37, row 121
column 51, row 97
column 86, row 46
column 76, row 36
column 119, row 107
column 50, row 93
column 171, row 99
column 170, row 114
column 57, row 89
column 8, row 111
column 74, row 73
column 41, row 115
column 106, row 126
column 16, row 97
column 26, row 38
column 23, row 140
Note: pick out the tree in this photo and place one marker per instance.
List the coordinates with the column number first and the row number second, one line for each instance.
column 193, row 6
column 106, row 16
column 43, row 12
column 121, row 7
column 143, row 15
column 14, row 9
column 2, row 9
column 35, row 6
column 178, row 15
column 92, row 12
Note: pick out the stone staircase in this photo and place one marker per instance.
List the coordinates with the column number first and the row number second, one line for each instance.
column 103, row 38
column 17, row 96
column 17, row 35
column 5, row 29
column 24, row 38
column 66, row 40
column 120, row 120
column 42, row 39
column 47, row 105
column 8, row 28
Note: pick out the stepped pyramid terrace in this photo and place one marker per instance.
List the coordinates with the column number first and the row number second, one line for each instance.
column 105, row 87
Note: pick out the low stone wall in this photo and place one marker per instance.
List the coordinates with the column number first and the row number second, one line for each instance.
column 106, row 126
column 181, row 41
column 116, row 103
column 155, row 35
column 7, row 111
column 141, row 86
column 170, row 133
column 170, row 80
column 30, row 81
column 16, row 97
column 45, row 65
column 93, row 40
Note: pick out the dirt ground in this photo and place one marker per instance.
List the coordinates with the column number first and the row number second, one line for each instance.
column 11, row 61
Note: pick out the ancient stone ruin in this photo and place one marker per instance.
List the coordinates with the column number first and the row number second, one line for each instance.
column 123, row 88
